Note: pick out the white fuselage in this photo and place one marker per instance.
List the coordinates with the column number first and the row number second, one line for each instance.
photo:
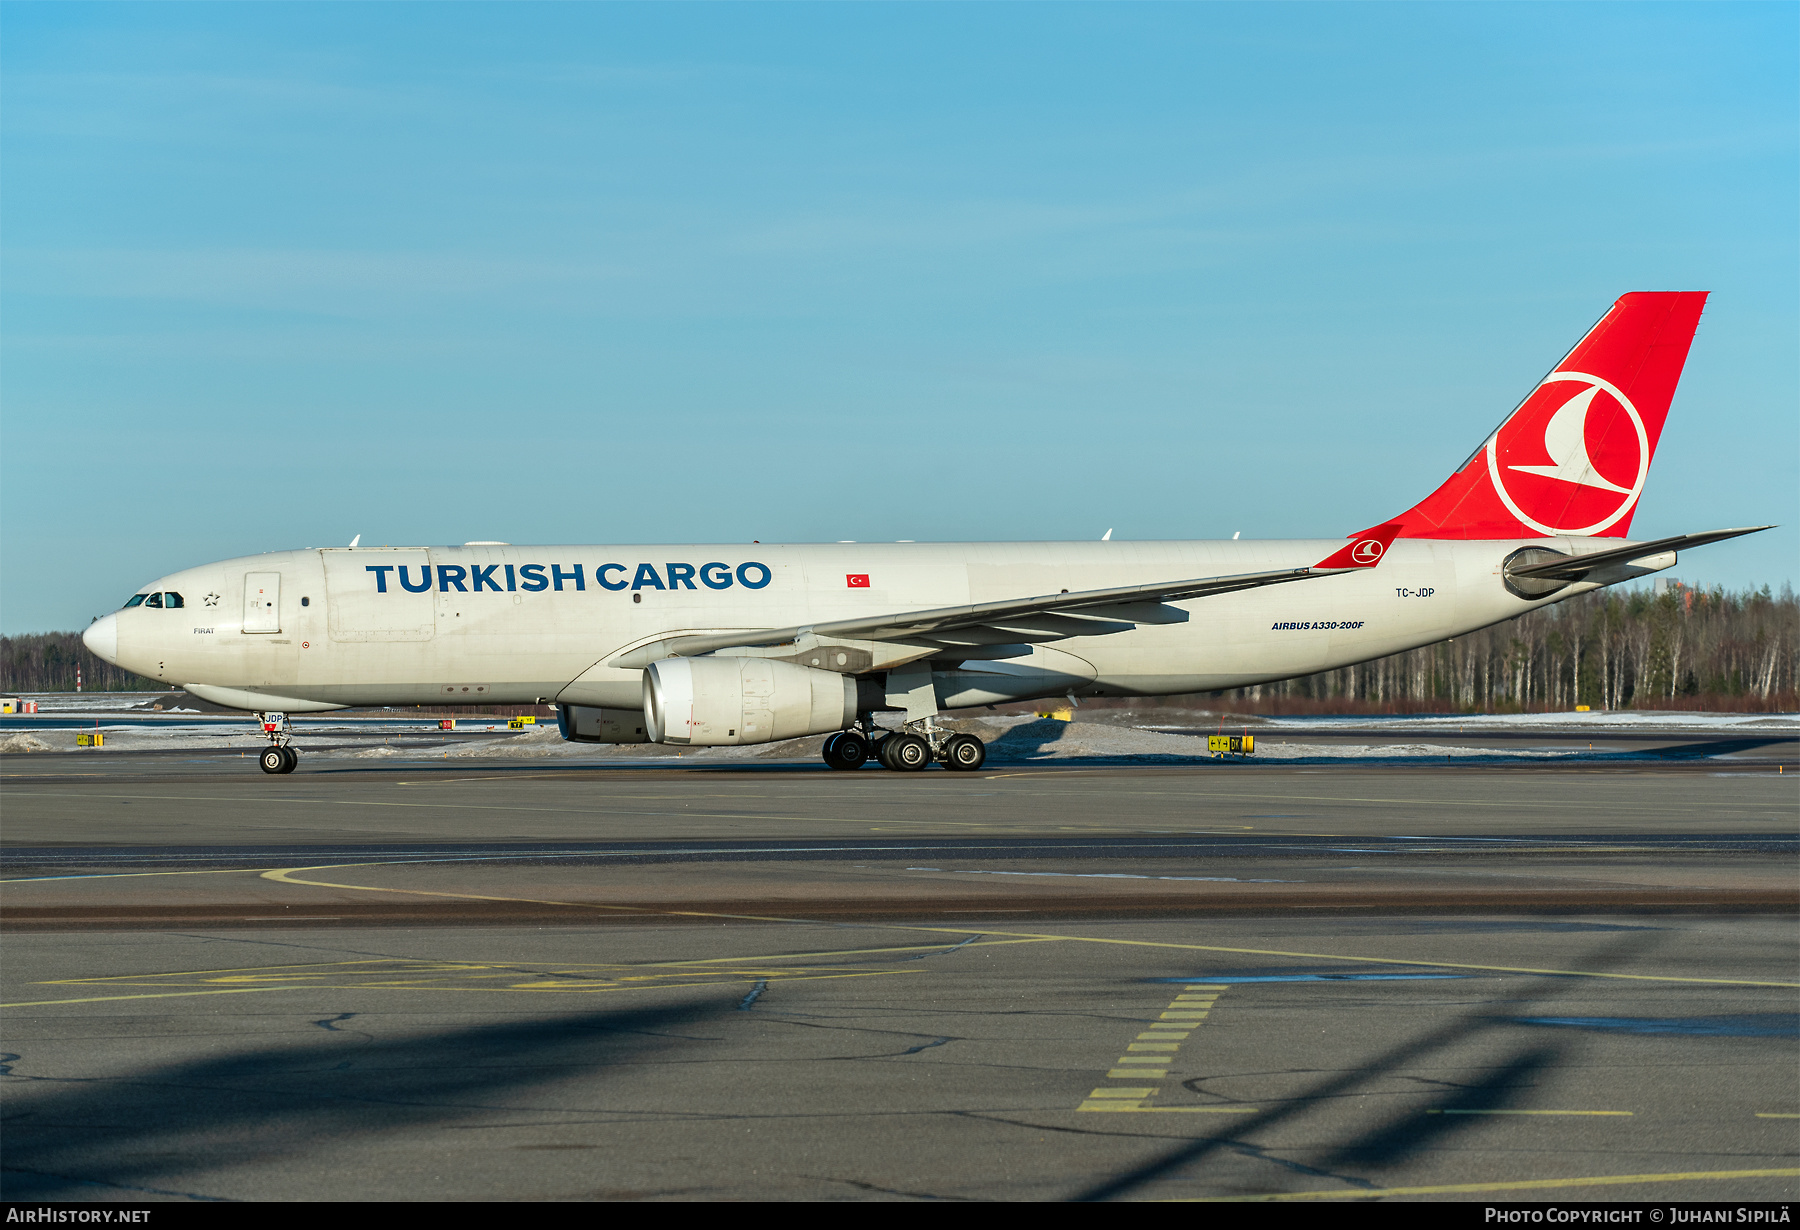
column 510, row 624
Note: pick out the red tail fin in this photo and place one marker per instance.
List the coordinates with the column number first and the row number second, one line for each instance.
column 1573, row 457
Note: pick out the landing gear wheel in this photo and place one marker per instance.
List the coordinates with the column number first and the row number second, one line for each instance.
column 905, row 753
column 964, row 752
column 845, row 750
column 274, row 760
column 293, row 759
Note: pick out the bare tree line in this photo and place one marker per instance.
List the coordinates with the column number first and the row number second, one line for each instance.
column 47, row 662
column 1681, row 649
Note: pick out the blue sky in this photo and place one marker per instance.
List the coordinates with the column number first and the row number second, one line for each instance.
column 276, row 275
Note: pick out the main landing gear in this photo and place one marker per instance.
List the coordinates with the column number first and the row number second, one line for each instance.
column 279, row 756
column 846, row 750
column 904, row 751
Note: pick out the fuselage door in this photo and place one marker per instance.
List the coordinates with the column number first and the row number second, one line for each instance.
column 262, row 602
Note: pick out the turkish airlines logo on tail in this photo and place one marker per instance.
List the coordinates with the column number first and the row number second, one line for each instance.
column 1573, row 458
column 1364, row 550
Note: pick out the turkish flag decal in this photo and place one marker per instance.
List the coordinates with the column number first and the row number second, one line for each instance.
column 857, row 580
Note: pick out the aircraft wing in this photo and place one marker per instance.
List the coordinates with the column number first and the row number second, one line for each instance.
column 1047, row 617
column 1575, row 567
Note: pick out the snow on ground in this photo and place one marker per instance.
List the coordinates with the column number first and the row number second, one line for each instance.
column 25, row 742
column 1147, row 715
column 1031, row 739
column 134, row 739
column 1011, row 739
column 1611, row 719
column 87, row 702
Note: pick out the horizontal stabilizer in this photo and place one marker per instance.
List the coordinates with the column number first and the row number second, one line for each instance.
column 1575, row 567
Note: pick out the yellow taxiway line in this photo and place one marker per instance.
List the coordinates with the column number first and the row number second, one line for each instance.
column 290, row 876
column 1509, row 1185
column 103, row 999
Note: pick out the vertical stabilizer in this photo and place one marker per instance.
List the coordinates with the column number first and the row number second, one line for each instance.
column 1572, row 459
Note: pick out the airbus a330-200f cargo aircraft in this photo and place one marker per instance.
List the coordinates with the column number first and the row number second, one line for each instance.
column 735, row 644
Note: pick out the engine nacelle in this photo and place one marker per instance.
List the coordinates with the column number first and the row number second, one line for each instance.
column 712, row 702
column 585, row 724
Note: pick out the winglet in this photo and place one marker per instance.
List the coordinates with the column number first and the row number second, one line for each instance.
column 1364, row 550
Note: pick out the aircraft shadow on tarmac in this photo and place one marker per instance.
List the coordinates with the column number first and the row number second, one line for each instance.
column 1408, row 1133
column 1715, row 747
column 65, row 1137
column 65, row 1140
column 1400, row 1140
column 1028, row 739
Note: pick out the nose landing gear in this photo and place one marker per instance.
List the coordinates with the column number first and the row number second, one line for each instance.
column 279, row 756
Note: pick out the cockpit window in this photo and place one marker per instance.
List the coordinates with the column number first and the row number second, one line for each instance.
column 134, row 600
column 171, row 600
column 153, row 600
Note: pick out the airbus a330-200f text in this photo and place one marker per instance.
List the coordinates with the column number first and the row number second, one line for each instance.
column 866, row 643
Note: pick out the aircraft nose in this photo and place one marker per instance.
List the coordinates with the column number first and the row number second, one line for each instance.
column 102, row 639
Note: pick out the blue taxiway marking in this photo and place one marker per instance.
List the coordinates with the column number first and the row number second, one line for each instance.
column 1227, row 980
column 1748, row 1025
column 1102, row 875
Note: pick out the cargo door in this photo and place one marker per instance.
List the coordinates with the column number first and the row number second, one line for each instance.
column 380, row 594
column 262, row 602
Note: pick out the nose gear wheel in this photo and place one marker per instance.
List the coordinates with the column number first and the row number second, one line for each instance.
column 279, row 756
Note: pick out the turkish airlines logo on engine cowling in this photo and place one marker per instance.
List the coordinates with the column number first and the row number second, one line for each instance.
column 1573, row 458
column 1367, row 551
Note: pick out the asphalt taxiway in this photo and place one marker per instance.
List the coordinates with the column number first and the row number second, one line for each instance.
column 500, row 980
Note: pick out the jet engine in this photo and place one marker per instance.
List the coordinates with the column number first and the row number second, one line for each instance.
column 710, row 702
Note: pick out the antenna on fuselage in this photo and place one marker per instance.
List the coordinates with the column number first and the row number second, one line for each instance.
column 356, row 540
column 1106, row 537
